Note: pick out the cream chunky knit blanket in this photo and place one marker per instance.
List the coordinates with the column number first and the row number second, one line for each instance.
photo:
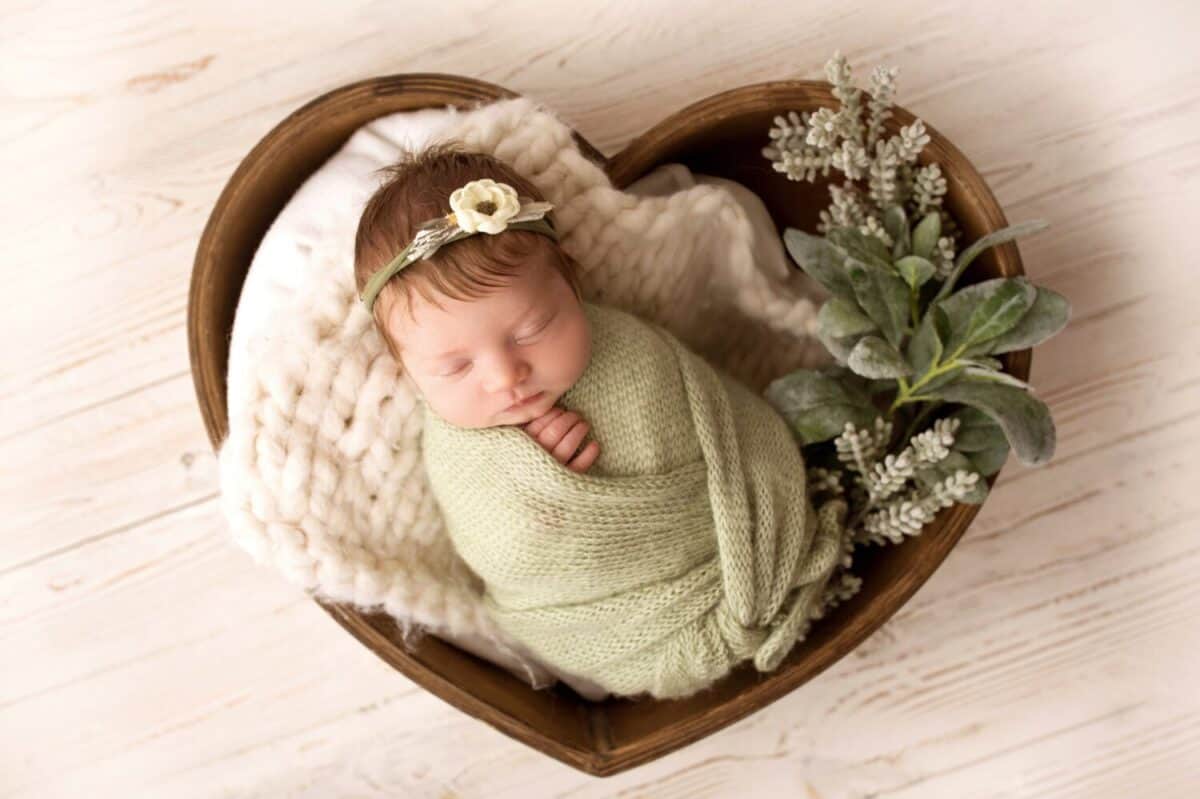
column 689, row 546
column 321, row 477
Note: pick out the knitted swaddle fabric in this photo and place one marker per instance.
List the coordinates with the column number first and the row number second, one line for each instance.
column 689, row 546
column 321, row 476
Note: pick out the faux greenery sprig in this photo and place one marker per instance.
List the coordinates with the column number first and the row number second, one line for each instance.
column 905, row 340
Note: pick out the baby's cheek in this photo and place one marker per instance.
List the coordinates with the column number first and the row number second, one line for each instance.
column 458, row 412
column 438, row 399
column 557, row 361
column 579, row 349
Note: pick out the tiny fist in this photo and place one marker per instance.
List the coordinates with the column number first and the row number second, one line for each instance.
column 535, row 426
column 584, row 460
column 561, row 433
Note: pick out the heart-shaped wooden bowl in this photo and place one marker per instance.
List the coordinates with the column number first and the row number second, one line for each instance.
column 722, row 135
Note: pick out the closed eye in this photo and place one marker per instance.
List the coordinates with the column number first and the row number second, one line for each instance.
column 462, row 367
column 541, row 328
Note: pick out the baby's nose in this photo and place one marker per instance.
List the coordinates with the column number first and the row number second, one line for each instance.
column 506, row 373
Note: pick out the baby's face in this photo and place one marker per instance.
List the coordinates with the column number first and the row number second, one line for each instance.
column 473, row 360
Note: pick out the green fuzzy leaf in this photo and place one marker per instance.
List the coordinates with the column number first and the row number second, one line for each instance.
column 933, row 473
column 977, row 431
column 1000, row 312
column 943, row 379
column 984, row 311
column 817, row 406
column 820, row 260
column 857, row 388
column 860, row 246
column 992, row 239
column 1024, row 418
column 984, row 362
column 806, row 388
column 942, row 320
column 997, row 237
column 884, row 296
column 988, row 461
column 925, row 236
column 982, row 373
column 1048, row 315
column 839, row 347
column 926, row 345
column 840, row 318
column 895, row 222
column 875, row 358
column 828, row 421
column 915, row 270
column 981, row 440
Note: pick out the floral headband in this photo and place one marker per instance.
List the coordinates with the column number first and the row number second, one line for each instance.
column 481, row 206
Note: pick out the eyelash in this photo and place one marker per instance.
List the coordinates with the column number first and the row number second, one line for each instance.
column 465, row 364
column 541, row 329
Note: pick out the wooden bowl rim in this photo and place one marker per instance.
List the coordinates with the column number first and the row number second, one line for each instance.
column 409, row 91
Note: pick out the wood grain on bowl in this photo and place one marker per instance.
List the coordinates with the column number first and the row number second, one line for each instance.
column 721, row 135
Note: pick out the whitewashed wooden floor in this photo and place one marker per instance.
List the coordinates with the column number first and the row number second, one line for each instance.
column 1055, row 654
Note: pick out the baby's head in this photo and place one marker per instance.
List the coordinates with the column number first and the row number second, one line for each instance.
column 484, row 322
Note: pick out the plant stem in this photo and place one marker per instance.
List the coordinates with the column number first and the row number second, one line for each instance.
column 947, row 284
column 908, row 394
column 915, row 426
column 858, row 516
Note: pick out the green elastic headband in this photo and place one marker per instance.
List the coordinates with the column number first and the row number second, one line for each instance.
column 386, row 273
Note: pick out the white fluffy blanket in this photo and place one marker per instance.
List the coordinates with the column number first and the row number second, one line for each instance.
column 321, row 475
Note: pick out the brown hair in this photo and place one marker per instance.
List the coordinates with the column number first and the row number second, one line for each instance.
column 417, row 188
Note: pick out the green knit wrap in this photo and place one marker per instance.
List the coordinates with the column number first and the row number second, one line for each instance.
column 690, row 545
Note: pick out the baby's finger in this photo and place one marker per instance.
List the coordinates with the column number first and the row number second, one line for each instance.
column 558, row 427
column 570, row 442
column 536, row 426
column 584, row 460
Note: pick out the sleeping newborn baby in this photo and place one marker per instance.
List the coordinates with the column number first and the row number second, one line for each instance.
column 639, row 518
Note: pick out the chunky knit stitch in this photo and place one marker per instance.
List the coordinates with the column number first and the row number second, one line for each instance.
column 689, row 546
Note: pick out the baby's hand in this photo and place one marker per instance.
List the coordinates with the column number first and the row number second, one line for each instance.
column 560, row 432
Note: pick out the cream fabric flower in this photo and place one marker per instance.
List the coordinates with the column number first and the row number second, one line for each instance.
column 484, row 205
